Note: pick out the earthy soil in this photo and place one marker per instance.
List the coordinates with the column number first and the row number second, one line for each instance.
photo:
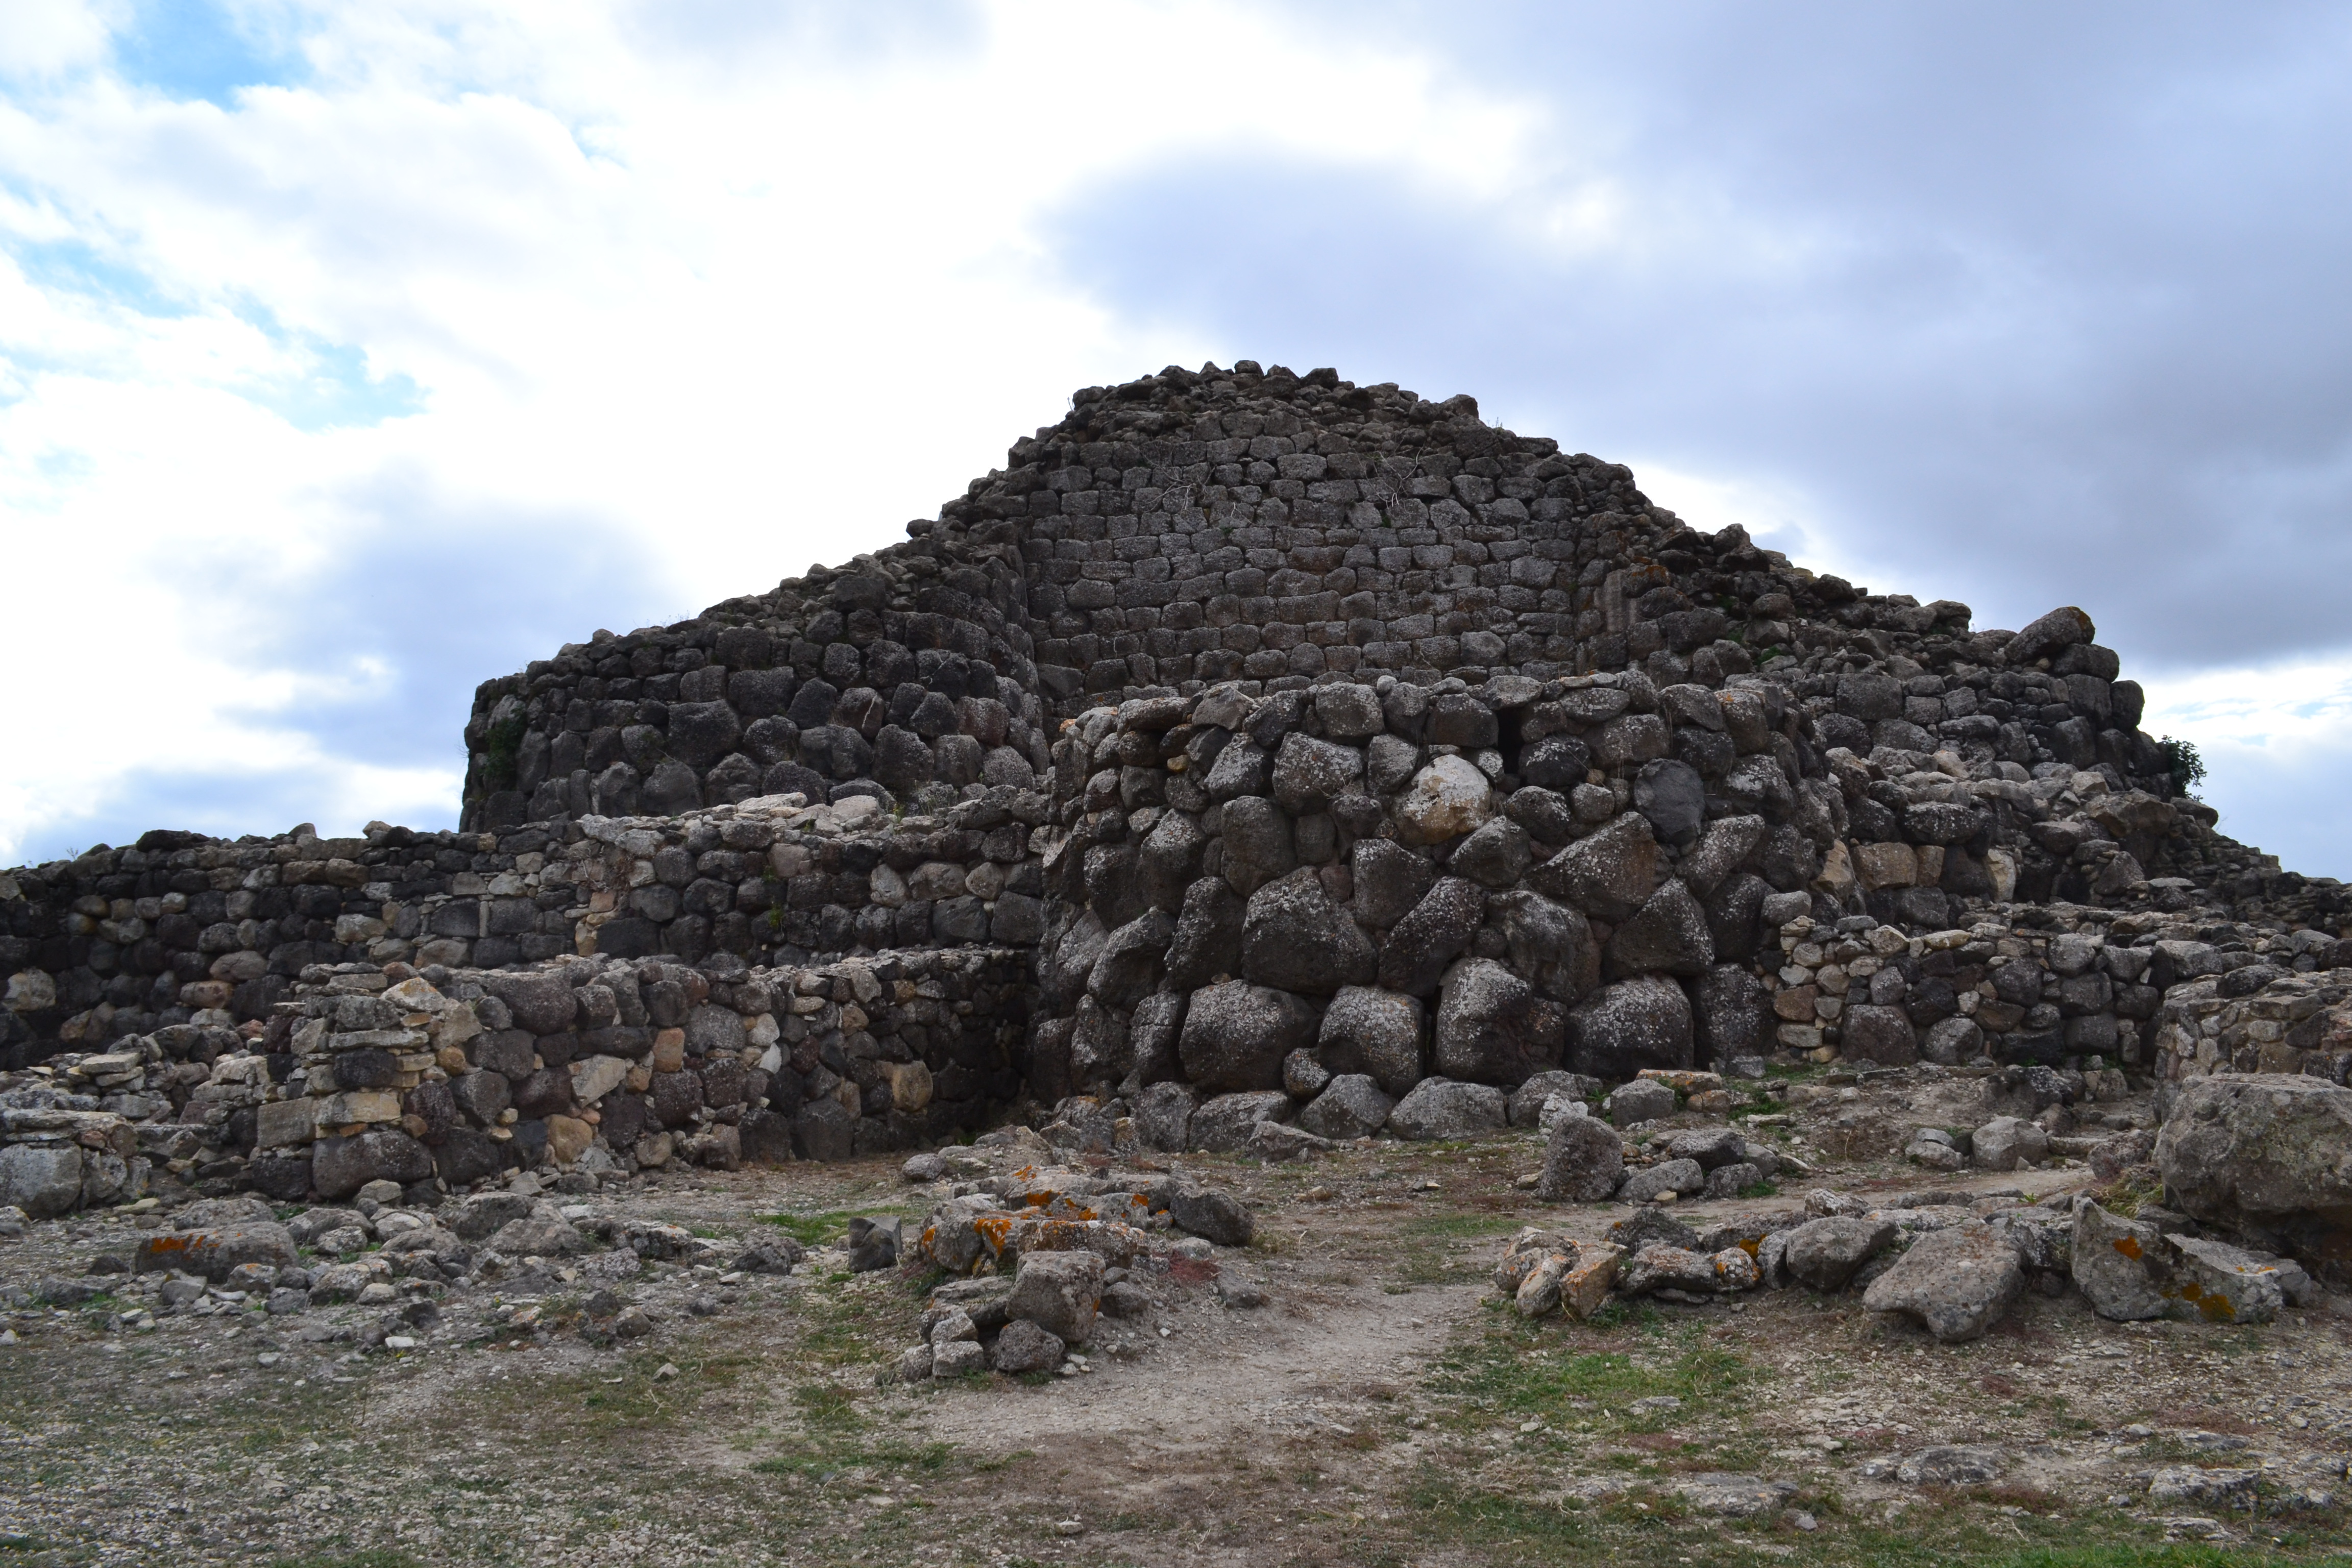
column 1384, row 1406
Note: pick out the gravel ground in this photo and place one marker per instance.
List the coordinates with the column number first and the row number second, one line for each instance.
column 1383, row 1406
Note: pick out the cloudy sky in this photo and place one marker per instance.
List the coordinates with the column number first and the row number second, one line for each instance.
column 349, row 355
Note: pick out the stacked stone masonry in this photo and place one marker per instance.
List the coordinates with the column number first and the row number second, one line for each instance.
column 1250, row 733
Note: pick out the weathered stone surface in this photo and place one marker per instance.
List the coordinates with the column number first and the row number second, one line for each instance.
column 1882, row 1034
column 1259, row 846
column 1058, row 1291
column 1609, row 875
column 1208, row 940
column 1683, row 1178
column 1661, row 1267
column 1491, row 1027
column 538, row 1235
column 1632, row 1024
column 1441, row 1107
column 1376, row 1033
column 1528, row 1099
column 2223, row 1284
column 1413, row 959
column 1308, row 773
column 1953, row 1465
column 1236, row 1035
column 1295, row 939
column 2007, row 1141
column 1954, row 1283
column 1495, row 856
column 1826, row 1254
column 1672, row 797
column 1389, row 878
column 42, row 1179
column 1548, row 943
column 1668, row 934
column 2112, row 1261
column 1584, row 1162
column 215, row 1251
column 2260, row 1150
column 1132, row 961
column 1350, row 1106
column 1211, row 1214
column 1643, row 1099
column 1163, row 1115
column 1225, row 1123
column 1445, row 800
column 1024, row 1346
column 342, row 1166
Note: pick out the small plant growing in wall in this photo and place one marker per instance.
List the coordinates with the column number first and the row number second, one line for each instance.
column 502, row 746
column 2181, row 760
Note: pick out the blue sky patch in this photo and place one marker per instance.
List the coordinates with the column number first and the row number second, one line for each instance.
column 335, row 391
column 191, row 50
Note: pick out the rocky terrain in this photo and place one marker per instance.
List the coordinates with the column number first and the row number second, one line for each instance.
column 668, row 1368
column 1295, row 977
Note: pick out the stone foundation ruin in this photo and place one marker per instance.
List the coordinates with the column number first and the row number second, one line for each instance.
column 1248, row 735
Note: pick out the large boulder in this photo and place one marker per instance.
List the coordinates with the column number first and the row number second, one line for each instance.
column 1308, row 773
column 1549, row 943
column 542, row 1003
column 1211, row 1213
column 2007, row 1141
column 1634, row 1024
column 1441, row 1107
column 1826, row 1254
column 1491, row 1027
column 1236, row 1035
column 1672, row 797
column 1419, row 947
column 342, row 1166
column 2268, row 1154
column 1350, row 1106
column 1609, row 873
column 1882, row 1035
column 42, row 1179
column 1258, row 843
column 1376, row 1033
column 1295, row 939
column 1132, row 958
column 1170, row 859
column 1669, row 933
column 1208, row 940
column 2116, row 1262
column 1496, row 855
column 1389, row 880
column 1445, row 800
column 1734, row 1014
column 1058, row 1291
column 1223, row 1125
column 1584, row 1162
column 213, row 1251
column 1954, row 1283
column 1025, row 1347
column 2059, row 630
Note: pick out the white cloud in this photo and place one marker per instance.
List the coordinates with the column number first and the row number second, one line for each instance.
column 752, row 303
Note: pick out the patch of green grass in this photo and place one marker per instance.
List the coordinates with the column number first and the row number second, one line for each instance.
column 1760, row 1190
column 1462, row 1224
column 1519, row 1370
column 375, row 1559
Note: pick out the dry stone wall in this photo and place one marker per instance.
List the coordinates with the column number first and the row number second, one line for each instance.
column 1249, row 735
column 180, row 929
